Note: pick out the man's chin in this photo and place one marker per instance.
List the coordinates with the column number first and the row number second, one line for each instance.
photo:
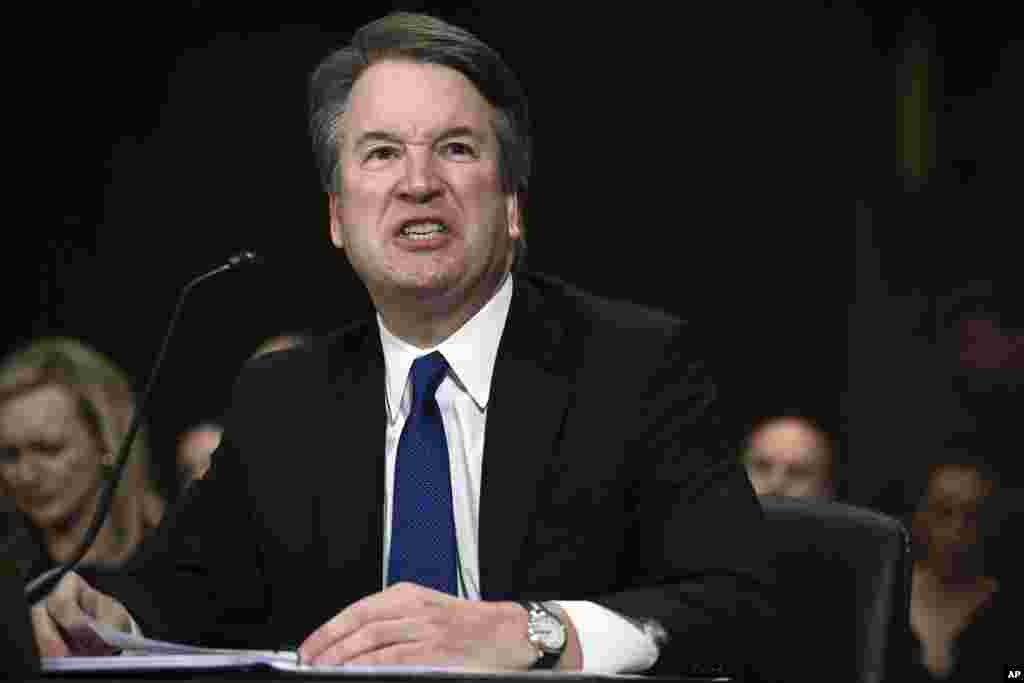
column 422, row 285
column 445, row 288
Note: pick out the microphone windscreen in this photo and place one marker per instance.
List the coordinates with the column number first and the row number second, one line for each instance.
column 244, row 258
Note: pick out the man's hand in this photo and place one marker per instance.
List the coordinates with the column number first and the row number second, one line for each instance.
column 410, row 624
column 59, row 620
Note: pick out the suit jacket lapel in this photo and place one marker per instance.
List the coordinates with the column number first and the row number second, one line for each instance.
column 351, row 515
column 528, row 400
column 529, row 395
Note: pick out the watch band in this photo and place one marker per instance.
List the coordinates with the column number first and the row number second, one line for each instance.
column 547, row 659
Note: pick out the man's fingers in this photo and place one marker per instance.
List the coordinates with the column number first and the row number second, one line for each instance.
column 414, row 625
column 401, row 654
column 370, row 638
column 103, row 608
column 62, row 602
column 47, row 634
column 396, row 602
column 341, row 626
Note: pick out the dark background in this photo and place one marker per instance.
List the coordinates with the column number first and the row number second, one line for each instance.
column 935, row 336
column 708, row 161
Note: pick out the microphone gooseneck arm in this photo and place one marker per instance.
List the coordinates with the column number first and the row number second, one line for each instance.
column 41, row 586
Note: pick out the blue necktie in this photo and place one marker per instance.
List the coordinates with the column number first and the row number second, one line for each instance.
column 423, row 546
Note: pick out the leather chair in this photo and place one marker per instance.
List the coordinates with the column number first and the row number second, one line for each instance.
column 843, row 591
column 18, row 654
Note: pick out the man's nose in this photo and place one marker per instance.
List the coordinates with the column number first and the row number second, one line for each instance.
column 420, row 182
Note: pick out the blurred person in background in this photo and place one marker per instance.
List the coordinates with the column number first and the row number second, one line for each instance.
column 195, row 446
column 789, row 456
column 280, row 342
column 962, row 617
column 64, row 411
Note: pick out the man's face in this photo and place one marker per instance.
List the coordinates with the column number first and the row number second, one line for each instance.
column 788, row 459
column 949, row 518
column 52, row 464
column 421, row 209
column 195, row 448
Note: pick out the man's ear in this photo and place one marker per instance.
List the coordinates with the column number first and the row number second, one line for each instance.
column 334, row 209
column 512, row 216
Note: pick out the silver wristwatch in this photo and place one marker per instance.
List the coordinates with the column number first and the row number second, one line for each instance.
column 546, row 632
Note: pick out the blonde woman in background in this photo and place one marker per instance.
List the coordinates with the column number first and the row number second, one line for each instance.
column 64, row 411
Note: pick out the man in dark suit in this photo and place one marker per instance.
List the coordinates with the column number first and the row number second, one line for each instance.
column 601, row 524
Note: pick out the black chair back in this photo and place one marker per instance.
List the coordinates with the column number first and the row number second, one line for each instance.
column 843, row 579
column 18, row 654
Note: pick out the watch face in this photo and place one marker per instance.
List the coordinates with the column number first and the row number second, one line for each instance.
column 549, row 632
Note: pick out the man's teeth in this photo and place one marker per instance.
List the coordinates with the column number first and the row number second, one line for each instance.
column 422, row 230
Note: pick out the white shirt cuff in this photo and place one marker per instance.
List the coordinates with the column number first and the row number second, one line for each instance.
column 609, row 643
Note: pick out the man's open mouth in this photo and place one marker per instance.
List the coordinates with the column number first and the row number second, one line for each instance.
column 421, row 230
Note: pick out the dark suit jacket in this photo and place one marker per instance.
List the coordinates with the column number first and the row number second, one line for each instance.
column 604, row 478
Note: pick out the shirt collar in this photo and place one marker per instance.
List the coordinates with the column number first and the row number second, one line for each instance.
column 471, row 351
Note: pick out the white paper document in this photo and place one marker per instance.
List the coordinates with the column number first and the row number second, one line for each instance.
column 146, row 654
column 435, row 672
column 192, row 662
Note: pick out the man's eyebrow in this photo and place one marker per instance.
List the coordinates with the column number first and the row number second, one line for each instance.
column 376, row 135
column 386, row 136
column 460, row 132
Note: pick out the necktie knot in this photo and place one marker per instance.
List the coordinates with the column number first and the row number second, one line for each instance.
column 427, row 373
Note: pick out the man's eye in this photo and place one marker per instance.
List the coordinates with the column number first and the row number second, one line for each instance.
column 459, row 150
column 47, row 447
column 381, row 154
column 756, row 464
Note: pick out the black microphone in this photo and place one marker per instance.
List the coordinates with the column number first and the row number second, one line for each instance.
column 41, row 586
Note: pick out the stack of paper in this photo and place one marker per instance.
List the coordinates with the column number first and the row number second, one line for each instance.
column 146, row 654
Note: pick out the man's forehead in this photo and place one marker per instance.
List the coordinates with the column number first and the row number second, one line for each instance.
column 415, row 102
column 786, row 435
column 958, row 483
column 413, row 133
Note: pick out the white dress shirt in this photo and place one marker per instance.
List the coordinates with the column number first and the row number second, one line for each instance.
column 608, row 641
